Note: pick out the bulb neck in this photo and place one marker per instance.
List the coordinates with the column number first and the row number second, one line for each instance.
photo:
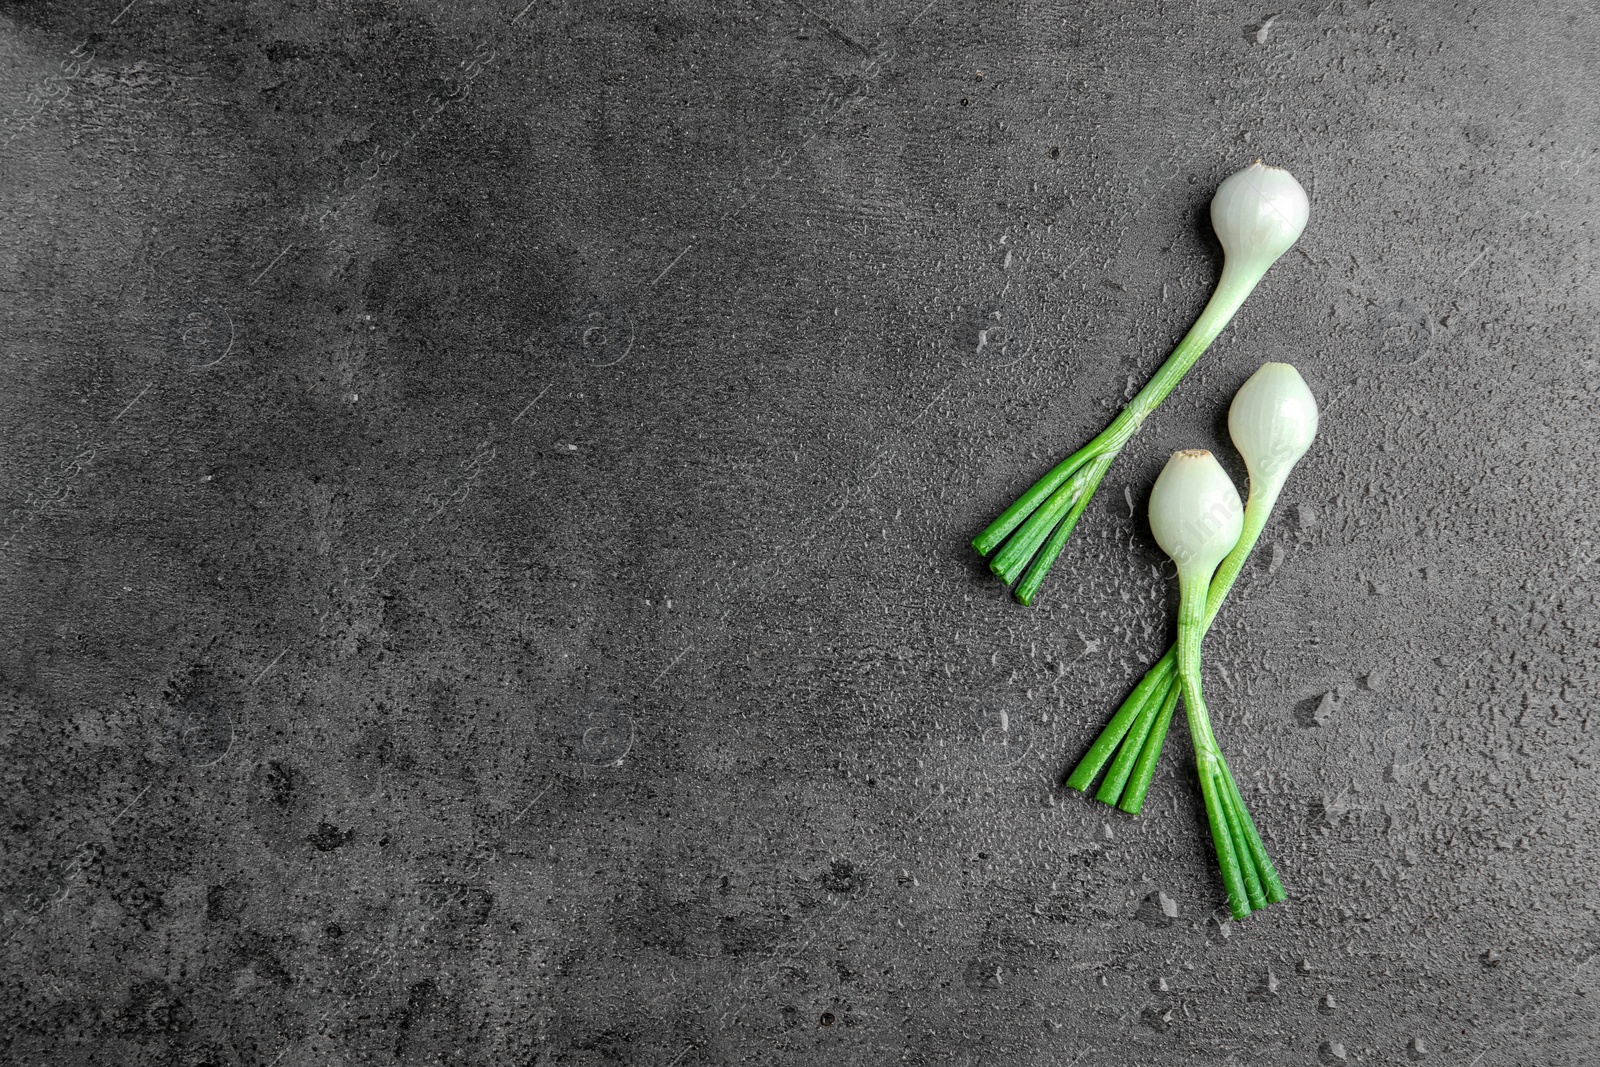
column 1257, row 510
column 1194, row 582
column 1241, row 273
column 1264, row 490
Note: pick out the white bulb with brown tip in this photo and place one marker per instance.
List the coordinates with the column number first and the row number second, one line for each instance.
column 1195, row 512
column 1258, row 213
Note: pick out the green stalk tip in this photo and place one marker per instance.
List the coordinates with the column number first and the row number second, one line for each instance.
column 1089, row 767
column 1111, row 790
column 1133, row 793
column 1241, row 848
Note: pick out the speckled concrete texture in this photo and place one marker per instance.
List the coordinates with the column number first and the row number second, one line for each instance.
column 486, row 493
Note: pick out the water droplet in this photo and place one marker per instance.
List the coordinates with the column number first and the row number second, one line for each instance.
column 1267, row 990
column 1157, row 910
column 1157, row 1018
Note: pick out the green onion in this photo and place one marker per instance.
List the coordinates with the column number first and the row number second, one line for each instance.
column 1272, row 422
column 1257, row 214
column 1197, row 519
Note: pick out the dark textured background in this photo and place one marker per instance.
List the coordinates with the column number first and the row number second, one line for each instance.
column 486, row 493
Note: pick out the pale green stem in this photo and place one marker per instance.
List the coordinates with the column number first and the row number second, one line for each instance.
column 1257, row 510
column 1192, row 586
column 1232, row 288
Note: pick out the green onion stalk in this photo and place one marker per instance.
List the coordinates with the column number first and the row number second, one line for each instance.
column 1257, row 214
column 1272, row 421
column 1197, row 519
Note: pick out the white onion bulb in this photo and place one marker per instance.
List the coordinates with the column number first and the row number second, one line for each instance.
column 1195, row 512
column 1258, row 214
column 1272, row 422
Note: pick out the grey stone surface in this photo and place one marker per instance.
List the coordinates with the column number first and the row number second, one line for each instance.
column 486, row 500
